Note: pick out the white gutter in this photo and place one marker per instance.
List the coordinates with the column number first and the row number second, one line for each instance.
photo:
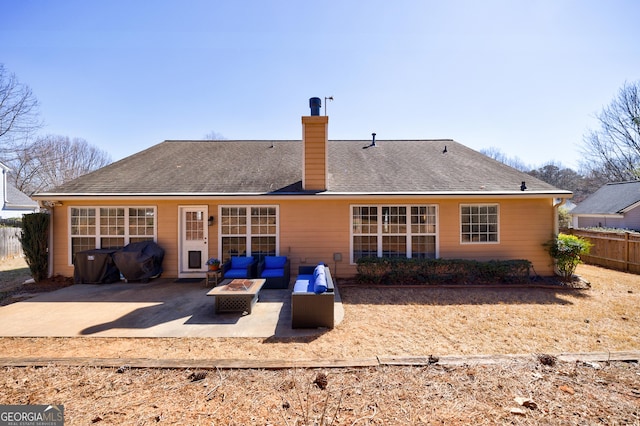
column 5, row 169
column 326, row 194
column 556, row 219
column 609, row 215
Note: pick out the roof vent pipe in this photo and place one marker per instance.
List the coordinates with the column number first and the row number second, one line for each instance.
column 373, row 140
column 315, row 104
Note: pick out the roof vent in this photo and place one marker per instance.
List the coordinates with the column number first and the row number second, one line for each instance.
column 373, row 139
column 315, row 104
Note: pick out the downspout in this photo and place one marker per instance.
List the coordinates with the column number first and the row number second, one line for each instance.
column 556, row 221
column 50, row 250
column 50, row 207
column 556, row 226
column 4, row 189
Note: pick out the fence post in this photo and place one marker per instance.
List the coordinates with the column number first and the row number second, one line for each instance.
column 9, row 242
column 626, row 251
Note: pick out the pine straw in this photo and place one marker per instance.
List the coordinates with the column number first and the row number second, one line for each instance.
column 412, row 322
column 378, row 322
column 564, row 393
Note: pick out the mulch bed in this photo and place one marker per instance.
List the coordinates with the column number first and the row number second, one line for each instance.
column 29, row 289
column 554, row 282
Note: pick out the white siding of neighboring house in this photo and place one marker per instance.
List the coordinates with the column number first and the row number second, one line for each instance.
column 13, row 209
column 630, row 220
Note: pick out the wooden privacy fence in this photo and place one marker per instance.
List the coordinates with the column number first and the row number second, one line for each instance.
column 615, row 250
column 9, row 243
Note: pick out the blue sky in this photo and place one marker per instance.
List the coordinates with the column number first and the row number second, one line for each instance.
column 525, row 77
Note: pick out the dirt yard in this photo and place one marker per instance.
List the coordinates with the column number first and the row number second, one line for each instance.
column 378, row 322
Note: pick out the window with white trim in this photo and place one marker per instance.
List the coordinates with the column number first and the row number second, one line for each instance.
column 109, row 227
column 394, row 231
column 479, row 223
column 248, row 231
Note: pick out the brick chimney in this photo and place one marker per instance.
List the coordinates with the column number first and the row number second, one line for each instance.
column 314, row 149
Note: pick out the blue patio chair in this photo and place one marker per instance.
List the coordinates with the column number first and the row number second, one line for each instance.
column 239, row 267
column 275, row 270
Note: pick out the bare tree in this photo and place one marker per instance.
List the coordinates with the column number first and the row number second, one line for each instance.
column 19, row 116
column 498, row 155
column 214, row 136
column 613, row 151
column 53, row 160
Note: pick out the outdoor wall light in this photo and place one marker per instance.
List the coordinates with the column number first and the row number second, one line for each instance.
column 211, row 220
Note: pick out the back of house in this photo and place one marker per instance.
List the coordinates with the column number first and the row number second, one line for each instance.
column 312, row 200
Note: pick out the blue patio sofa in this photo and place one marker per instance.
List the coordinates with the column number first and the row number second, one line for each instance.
column 313, row 298
column 275, row 270
column 239, row 267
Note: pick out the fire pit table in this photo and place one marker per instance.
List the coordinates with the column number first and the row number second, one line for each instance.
column 237, row 295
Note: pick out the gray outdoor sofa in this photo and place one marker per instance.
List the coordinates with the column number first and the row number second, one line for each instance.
column 313, row 298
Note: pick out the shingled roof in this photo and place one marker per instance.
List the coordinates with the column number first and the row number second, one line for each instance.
column 17, row 199
column 275, row 167
column 612, row 198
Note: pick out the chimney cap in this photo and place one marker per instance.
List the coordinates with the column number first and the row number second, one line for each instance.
column 315, row 104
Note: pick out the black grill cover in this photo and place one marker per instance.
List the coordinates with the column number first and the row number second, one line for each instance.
column 95, row 267
column 139, row 261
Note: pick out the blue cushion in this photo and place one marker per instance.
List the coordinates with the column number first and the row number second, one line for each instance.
column 320, row 282
column 241, row 262
column 318, row 269
column 274, row 262
column 303, row 284
column 236, row 273
column 267, row 273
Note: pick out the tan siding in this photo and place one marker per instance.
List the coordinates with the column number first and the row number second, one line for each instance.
column 524, row 227
column 167, row 229
column 315, row 152
column 312, row 230
column 61, row 242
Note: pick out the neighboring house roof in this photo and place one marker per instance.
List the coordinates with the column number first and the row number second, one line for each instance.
column 14, row 199
column 611, row 199
column 275, row 167
column 17, row 199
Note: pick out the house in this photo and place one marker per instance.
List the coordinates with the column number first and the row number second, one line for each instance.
column 14, row 203
column 311, row 200
column 614, row 205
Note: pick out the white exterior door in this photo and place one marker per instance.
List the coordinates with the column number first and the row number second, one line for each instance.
column 194, row 236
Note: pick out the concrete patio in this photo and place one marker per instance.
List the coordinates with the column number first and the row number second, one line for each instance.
column 159, row 308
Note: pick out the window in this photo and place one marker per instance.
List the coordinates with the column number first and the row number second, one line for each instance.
column 110, row 227
column 423, row 231
column 249, row 231
column 479, row 223
column 142, row 224
column 393, row 231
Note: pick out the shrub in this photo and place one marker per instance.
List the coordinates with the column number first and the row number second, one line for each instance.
column 34, row 239
column 566, row 251
column 403, row 271
column 373, row 269
column 564, row 218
